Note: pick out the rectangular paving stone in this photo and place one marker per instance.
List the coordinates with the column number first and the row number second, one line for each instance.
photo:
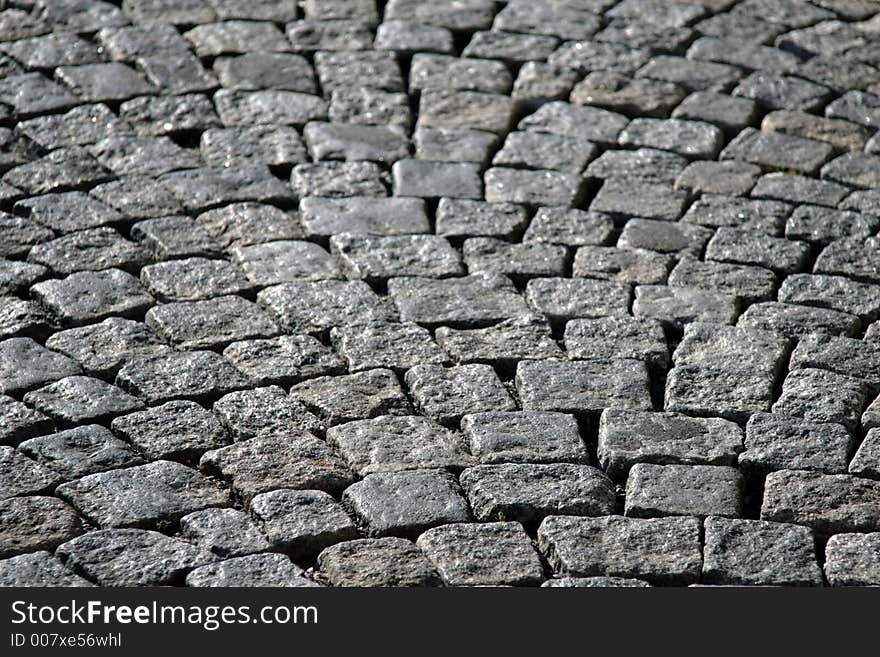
column 718, row 211
column 759, row 553
column 850, row 559
column 392, row 444
column 778, row 151
column 30, row 524
column 591, row 123
column 829, row 503
column 629, row 437
column 821, row 225
column 143, row 495
column 370, row 562
column 375, row 259
column 527, row 337
column 849, row 356
column 435, row 179
column 823, row 396
column 617, row 337
column 299, row 461
column 634, row 266
column 796, row 321
column 650, row 201
column 561, row 299
column 568, row 227
column 529, row 492
column 263, row 412
column 733, row 349
column 524, row 437
column 659, row 550
column 799, row 189
column 675, row 307
column 271, row 263
column 446, row 394
column 223, row 532
column 78, row 399
column 532, row 187
column 744, row 247
column 25, row 365
column 747, row 282
column 683, row 490
column 283, row 360
column 648, row 165
column 708, row 392
column 777, row 442
column 583, row 388
column 192, row 279
column 18, row 422
column 394, row 345
column 323, row 217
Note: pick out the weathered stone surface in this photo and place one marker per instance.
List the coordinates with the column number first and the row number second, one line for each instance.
column 446, row 394
column 82, row 451
column 659, row 550
column 756, row 552
column 823, row 396
column 524, row 437
column 19, row 422
column 683, row 490
column 283, row 360
column 25, row 365
column 526, row 337
column 253, row 571
column 30, row 524
column 528, row 492
column 405, row 503
column 851, row 560
column 866, row 461
column 706, row 391
column 38, row 569
column 377, row 562
column 359, row 396
column 223, row 532
column 263, row 412
column 78, row 399
column 627, row 438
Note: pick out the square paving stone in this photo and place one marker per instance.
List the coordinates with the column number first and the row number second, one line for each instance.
column 20, row 318
column 637, row 267
column 734, row 349
column 242, row 224
column 259, row 465
column 287, row 260
column 691, row 74
column 377, row 562
column 683, row 490
column 139, row 197
column 857, row 106
column 323, row 217
column 509, row 47
column 198, row 375
column 170, row 115
column 255, row 570
column 706, row 391
column 627, row 438
column 746, row 247
column 143, row 495
column 88, row 297
column 629, row 199
column 659, row 550
column 828, row 503
column 435, row 179
column 490, row 554
column 586, row 56
column 177, row 73
column 519, row 261
column 583, row 388
column 717, row 211
column 210, row 324
column 376, row 259
column 649, row 165
column 406, row 503
column 856, row 358
column 223, row 532
column 850, row 257
column 728, row 178
column 530, row 492
column 391, row 444
column 173, row 431
column 20, row 235
column 225, row 37
column 866, row 461
column 131, row 557
column 679, row 238
column 851, row 560
column 778, row 151
column 302, row 522
column 80, row 126
column 541, row 150
column 569, row 227
column 454, row 144
column 252, row 145
column 692, row 139
column 730, row 113
column 89, row 250
column 633, row 97
column 28, row 524
column 841, row 134
column 78, row 399
column 68, row 212
column 568, row 120
column 364, row 106
column 776, row 442
column 458, row 218
column 561, row 299
column 127, row 42
column 19, row 422
column 316, row 306
column 394, row 345
column 339, row 179
column 854, row 169
column 446, row 394
column 104, row 82
column 336, row 141
column 374, row 69
column 20, row 475
column 756, row 552
column 797, row 321
column 101, row 349
column 564, row 20
column 175, row 237
column 799, row 189
column 268, row 107
column 470, row 301
column 675, row 307
column 202, row 189
column 310, row 36
column 817, row 224
column 82, row 451
column 527, row 337
column 748, row 56
column 31, row 94
column 25, row 365
column 472, row 110
column 363, row 395
column 532, row 187
column 823, row 396
column 408, row 37
column 617, row 337
column 193, row 279
column 263, row 412
column 776, row 91
column 524, row 437
column 430, row 71
column 284, row 360
column 746, row 282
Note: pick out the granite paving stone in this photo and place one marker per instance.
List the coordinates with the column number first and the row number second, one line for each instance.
column 683, row 490
column 851, row 559
column 226, row 533
column 31, row 524
column 38, row 569
column 270, row 570
column 369, row 562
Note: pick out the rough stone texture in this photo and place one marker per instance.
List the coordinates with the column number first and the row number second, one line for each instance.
column 305, row 243
column 852, row 560
column 30, row 524
column 683, row 490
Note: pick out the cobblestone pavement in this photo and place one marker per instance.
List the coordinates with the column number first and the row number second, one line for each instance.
column 344, row 292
